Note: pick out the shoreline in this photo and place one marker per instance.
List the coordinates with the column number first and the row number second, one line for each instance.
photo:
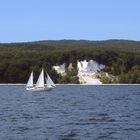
column 22, row 84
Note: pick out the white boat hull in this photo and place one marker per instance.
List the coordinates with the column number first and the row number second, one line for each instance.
column 39, row 89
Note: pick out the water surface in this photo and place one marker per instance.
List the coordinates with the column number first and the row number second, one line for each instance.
column 70, row 113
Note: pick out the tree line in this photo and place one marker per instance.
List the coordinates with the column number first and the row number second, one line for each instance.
column 17, row 60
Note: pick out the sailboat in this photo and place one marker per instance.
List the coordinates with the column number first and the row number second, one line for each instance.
column 43, row 83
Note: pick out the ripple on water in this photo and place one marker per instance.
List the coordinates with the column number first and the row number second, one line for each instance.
column 69, row 136
column 101, row 117
column 70, row 113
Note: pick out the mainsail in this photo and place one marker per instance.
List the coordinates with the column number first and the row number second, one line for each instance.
column 30, row 81
column 40, row 81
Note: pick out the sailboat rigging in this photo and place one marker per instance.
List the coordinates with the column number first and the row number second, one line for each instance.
column 43, row 83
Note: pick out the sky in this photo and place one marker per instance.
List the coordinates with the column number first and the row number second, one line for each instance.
column 32, row 20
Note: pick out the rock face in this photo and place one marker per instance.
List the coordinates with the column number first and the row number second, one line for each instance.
column 60, row 69
column 89, row 67
column 87, row 71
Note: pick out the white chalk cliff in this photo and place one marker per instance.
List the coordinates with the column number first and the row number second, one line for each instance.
column 87, row 71
column 60, row 69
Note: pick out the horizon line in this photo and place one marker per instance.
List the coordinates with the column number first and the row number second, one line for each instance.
column 30, row 41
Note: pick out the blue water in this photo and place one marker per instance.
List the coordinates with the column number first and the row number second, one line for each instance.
column 70, row 113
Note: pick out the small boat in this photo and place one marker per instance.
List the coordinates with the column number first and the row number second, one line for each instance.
column 44, row 82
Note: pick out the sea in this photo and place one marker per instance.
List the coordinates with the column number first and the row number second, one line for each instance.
column 70, row 112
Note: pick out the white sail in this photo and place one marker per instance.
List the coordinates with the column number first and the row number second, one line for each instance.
column 40, row 81
column 30, row 81
column 50, row 80
column 40, row 84
column 48, row 83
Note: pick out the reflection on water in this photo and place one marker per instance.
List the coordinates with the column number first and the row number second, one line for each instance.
column 70, row 113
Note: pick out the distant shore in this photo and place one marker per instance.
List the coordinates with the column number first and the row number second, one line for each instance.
column 22, row 84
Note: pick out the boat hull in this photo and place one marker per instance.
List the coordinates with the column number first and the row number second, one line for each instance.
column 39, row 89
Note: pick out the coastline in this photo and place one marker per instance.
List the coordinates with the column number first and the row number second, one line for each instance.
column 22, row 84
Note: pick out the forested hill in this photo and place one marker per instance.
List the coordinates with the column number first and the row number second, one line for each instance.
column 122, row 58
column 86, row 43
column 82, row 43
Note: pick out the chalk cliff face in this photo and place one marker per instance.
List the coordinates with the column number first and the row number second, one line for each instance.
column 60, row 69
column 87, row 71
column 89, row 67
